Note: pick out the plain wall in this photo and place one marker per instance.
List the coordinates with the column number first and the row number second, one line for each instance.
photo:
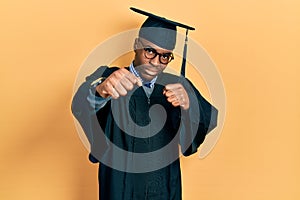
column 255, row 45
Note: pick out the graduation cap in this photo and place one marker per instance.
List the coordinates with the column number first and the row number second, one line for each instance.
column 162, row 32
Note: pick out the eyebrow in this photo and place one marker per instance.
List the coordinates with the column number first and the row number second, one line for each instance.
column 167, row 53
column 150, row 47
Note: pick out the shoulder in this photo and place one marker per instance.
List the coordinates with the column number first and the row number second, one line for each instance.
column 106, row 70
column 109, row 70
column 103, row 71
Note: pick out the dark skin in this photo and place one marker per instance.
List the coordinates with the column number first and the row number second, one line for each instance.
column 121, row 81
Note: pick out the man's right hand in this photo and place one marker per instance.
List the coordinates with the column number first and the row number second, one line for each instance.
column 118, row 83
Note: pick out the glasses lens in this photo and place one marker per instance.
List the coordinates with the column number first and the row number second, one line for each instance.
column 150, row 53
column 166, row 58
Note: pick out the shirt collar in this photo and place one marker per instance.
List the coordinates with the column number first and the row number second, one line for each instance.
column 148, row 83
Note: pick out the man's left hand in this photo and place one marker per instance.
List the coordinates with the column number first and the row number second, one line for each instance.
column 177, row 95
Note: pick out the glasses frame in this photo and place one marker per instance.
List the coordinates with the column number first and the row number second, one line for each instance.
column 155, row 53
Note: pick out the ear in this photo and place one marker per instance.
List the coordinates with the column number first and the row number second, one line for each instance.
column 135, row 45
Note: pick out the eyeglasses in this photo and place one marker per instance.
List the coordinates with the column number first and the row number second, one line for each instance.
column 150, row 53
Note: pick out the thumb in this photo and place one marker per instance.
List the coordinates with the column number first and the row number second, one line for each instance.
column 139, row 82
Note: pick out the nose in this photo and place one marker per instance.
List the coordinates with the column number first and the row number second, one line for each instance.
column 155, row 61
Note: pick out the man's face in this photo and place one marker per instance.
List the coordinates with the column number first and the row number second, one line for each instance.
column 146, row 67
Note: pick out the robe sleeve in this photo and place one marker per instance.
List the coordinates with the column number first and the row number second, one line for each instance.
column 196, row 125
column 86, row 115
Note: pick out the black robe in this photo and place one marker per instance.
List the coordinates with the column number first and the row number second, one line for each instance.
column 126, row 124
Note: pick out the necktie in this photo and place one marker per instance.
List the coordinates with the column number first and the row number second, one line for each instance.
column 147, row 84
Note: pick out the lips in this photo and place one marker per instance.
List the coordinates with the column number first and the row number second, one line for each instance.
column 151, row 72
column 148, row 72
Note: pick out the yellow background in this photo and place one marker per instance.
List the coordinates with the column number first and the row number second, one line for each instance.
column 255, row 45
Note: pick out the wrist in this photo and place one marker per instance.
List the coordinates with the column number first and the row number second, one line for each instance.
column 95, row 84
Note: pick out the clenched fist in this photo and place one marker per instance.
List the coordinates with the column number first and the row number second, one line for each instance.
column 117, row 84
column 177, row 95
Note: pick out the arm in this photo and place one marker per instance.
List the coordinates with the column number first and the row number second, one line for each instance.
column 89, row 99
column 86, row 114
column 96, row 101
column 194, row 125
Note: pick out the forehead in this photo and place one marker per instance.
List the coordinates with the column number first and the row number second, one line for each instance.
column 154, row 46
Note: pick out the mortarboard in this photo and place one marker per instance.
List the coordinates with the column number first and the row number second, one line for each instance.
column 162, row 32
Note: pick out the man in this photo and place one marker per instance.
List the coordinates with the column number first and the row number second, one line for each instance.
column 135, row 142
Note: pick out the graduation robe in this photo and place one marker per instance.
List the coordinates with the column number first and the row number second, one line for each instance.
column 108, row 128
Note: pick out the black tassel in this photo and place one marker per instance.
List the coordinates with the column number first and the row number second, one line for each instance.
column 184, row 54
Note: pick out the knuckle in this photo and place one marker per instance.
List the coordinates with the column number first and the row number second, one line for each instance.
column 129, row 87
column 123, row 93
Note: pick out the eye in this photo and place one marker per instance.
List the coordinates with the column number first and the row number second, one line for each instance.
column 166, row 56
column 150, row 50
